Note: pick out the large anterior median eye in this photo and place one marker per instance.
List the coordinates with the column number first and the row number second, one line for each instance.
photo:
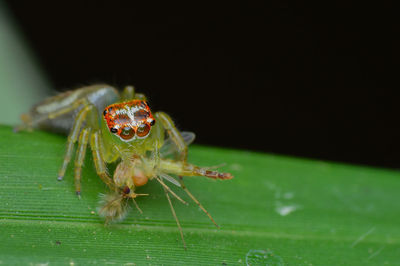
column 127, row 133
column 143, row 130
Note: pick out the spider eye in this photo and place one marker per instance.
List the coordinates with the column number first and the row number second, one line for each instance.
column 127, row 133
column 105, row 112
column 113, row 130
column 152, row 122
column 143, row 130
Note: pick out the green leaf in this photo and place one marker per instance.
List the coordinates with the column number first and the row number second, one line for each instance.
column 276, row 211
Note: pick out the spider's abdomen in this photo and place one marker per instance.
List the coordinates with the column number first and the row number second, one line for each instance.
column 98, row 95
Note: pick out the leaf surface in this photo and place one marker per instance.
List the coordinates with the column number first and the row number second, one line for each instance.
column 276, row 211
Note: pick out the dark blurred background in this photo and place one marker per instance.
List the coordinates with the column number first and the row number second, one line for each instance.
column 310, row 81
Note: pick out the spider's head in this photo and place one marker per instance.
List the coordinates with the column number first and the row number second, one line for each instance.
column 129, row 120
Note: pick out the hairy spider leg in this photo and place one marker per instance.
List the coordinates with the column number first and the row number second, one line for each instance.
column 170, row 191
column 176, row 218
column 174, row 134
column 97, row 151
column 137, row 206
column 196, row 201
column 80, row 156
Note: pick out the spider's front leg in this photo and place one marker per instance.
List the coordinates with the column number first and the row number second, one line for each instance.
column 174, row 134
column 80, row 156
column 97, row 146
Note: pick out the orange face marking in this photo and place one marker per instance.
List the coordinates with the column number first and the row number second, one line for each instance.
column 129, row 120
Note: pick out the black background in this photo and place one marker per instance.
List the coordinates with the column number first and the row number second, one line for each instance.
column 287, row 78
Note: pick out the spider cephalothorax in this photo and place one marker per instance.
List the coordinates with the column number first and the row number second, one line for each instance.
column 129, row 120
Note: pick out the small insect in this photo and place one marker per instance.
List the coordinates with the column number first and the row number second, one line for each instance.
column 119, row 128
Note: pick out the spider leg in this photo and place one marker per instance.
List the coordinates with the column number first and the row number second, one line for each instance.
column 174, row 134
column 196, row 201
column 79, row 158
column 170, row 191
column 137, row 206
column 72, row 138
column 96, row 144
column 176, row 218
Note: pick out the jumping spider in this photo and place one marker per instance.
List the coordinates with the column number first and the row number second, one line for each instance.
column 119, row 128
